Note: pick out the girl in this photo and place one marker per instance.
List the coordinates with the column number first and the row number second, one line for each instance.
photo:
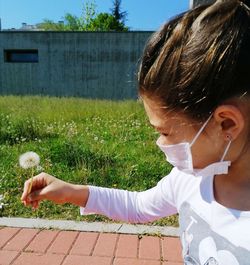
column 194, row 83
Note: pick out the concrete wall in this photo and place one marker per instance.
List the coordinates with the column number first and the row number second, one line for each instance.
column 84, row 64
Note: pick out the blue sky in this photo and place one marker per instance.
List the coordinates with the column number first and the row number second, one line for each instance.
column 142, row 15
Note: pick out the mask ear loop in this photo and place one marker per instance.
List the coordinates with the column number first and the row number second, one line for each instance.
column 201, row 129
column 227, row 148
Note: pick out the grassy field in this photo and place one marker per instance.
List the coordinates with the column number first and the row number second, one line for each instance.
column 82, row 141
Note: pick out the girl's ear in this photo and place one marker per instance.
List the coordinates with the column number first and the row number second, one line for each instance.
column 231, row 120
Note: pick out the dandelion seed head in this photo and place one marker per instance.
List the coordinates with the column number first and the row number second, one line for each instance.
column 29, row 159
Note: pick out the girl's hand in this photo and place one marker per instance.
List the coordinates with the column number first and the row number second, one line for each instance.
column 47, row 187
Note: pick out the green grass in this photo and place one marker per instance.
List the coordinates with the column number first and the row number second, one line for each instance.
column 102, row 143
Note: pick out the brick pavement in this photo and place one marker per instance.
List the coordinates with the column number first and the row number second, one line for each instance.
column 19, row 246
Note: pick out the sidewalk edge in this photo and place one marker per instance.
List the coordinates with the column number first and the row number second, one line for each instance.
column 122, row 228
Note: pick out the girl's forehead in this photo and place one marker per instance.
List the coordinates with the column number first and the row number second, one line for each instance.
column 161, row 117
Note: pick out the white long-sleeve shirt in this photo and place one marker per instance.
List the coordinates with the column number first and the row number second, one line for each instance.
column 210, row 232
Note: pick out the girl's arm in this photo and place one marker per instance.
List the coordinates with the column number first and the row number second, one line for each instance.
column 133, row 207
column 123, row 205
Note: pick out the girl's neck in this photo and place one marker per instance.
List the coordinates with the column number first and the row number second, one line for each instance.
column 233, row 190
column 239, row 172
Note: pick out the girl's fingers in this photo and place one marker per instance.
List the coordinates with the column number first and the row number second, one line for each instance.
column 26, row 190
column 33, row 184
column 43, row 187
column 35, row 204
column 37, row 195
column 30, row 185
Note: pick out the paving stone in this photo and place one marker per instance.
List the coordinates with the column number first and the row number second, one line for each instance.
column 63, row 242
column 127, row 261
column 84, row 244
column 42, row 241
column 171, row 249
column 6, row 256
column 33, row 246
column 105, row 245
column 87, row 260
column 6, row 234
column 39, row 259
column 149, row 248
column 20, row 240
column 127, row 246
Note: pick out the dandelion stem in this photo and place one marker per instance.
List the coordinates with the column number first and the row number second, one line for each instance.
column 31, row 182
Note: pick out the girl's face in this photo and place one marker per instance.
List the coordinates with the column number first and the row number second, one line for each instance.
column 175, row 127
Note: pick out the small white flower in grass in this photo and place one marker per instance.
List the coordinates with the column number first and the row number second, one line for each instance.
column 1, row 199
column 29, row 160
column 39, row 168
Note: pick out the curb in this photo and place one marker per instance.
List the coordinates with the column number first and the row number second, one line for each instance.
column 90, row 226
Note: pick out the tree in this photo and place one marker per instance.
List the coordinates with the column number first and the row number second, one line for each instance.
column 72, row 22
column 88, row 21
column 48, row 24
column 88, row 15
column 107, row 22
column 117, row 13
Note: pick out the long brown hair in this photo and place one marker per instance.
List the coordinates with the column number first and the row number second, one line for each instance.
column 199, row 59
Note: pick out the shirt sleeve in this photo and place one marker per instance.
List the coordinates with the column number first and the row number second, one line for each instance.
column 133, row 207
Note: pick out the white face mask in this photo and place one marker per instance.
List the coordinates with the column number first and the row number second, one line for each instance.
column 180, row 156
